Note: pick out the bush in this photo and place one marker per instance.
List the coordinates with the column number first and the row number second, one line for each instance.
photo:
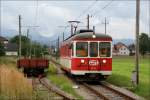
column 2, row 49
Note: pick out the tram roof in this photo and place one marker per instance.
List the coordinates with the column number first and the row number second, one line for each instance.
column 89, row 36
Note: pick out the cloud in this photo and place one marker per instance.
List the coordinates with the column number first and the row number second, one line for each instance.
column 48, row 17
column 118, row 28
column 120, row 14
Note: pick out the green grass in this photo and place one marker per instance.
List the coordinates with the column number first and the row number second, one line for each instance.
column 61, row 81
column 8, row 60
column 52, row 69
column 122, row 71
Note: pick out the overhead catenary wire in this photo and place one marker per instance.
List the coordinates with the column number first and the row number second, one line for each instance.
column 99, row 11
column 104, row 7
column 83, row 13
column 86, row 10
column 36, row 12
column 96, row 12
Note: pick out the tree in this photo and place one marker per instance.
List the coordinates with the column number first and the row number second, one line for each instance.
column 143, row 43
column 25, row 43
column 15, row 39
column 149, row 44
column 131, row 49
column 2, row 49
column 37, row 49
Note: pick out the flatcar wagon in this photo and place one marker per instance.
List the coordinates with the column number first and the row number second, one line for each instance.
column 34, row 66
column 87, row 54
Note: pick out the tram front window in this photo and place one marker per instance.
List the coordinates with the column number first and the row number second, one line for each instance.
column 104, row 49
column 93, row 49
column 81, row 49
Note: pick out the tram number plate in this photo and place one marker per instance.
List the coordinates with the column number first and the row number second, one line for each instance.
column 93, row 62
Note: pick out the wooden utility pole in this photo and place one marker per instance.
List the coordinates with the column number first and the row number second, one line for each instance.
column 71, row 29
column 58, row 44
column 63, row 36
column 57, row 53
column 137, row 41
column 34, row 51
column 94, row 30
column 19, row 36
column 105, row 23
column 88, row 22
column 30, row 48
column 29, row 27
column 27, row 40
column 27, row 33
column 0, row 80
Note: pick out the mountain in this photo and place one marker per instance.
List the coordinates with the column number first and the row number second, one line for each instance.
column 47, row 40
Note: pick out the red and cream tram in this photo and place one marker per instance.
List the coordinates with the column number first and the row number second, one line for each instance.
column 87, row 54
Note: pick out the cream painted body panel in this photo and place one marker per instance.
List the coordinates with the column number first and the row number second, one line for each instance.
column 65, row 62
column 75, row 72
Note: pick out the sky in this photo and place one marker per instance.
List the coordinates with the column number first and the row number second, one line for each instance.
column 52, row 17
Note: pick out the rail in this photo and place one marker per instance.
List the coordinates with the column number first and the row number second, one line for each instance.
column 114, row 91
column 52, row 88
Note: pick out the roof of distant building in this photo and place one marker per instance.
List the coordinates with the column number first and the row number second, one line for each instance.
column 3, row 39
column 117, row 46
column 120, row 44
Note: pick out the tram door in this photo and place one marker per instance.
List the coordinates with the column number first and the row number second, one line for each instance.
column 94, row 59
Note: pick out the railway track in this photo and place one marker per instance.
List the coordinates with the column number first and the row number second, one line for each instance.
column 106, row 91
column 53, row 93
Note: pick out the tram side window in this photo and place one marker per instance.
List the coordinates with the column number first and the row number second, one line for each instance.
column 81, row 49
column 104, row 49
column 93, row 49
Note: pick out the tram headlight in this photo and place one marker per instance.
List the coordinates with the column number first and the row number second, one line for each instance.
column 82, row 61
column 93, row 36
column 104, row 61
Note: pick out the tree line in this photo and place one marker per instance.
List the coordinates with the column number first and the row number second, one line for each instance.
column 28, row 47
column 35, row 49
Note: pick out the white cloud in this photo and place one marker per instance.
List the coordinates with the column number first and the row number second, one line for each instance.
column 121, row 16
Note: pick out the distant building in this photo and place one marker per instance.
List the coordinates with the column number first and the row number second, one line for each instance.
column 120, row 49
column 3, row 40
column 11, row 49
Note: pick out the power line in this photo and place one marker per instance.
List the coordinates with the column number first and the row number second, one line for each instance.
column 106, row 22
column 19, row 36
column 105, row 6
column 36, row 12
column 87, row 9
column 99, row 11
column 88, row 21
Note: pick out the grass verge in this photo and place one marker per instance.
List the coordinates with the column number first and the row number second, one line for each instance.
column 13, row 85
column 61, row 81
column 9, row 61
column 122, row 71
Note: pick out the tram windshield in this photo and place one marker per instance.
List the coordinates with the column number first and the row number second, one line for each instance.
column 104, row 49
column 81, row 49
column 93, row 49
